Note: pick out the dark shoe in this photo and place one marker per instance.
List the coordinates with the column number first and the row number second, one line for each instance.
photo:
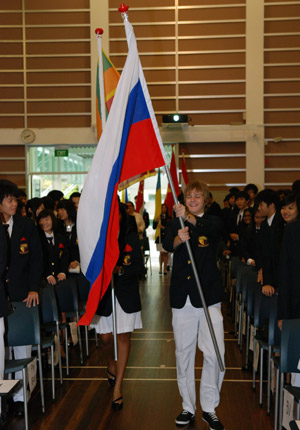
column 213, row 421
column 111, row 378
column 184, row 418
column 168, row 268
column 160, row 273
column 18, row 409
column 117, row 405
column 165, row 273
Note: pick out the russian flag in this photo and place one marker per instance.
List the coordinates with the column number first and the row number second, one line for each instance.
column 129, row 145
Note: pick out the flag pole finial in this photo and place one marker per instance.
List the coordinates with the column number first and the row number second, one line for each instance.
column 99, row 32
column 123, row 10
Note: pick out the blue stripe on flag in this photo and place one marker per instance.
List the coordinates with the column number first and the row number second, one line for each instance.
column 136, row 111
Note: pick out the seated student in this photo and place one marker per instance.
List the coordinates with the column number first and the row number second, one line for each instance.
column 75, row 197
column 161, row 223
column 289, row 287
column 23, row 274
column 66, row 213
column 55, row 250
column 212, row 207
column 270, row 240
column 56, row 196
column 237, row 225
column 3, row 310
column 34, row 207
column 251, row 190
column 128, row 308
column 289, row 208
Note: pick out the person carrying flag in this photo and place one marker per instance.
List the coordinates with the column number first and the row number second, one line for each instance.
column 188, row 318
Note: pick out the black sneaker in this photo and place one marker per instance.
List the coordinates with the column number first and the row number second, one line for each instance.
column 184, row 418
column 213, row 421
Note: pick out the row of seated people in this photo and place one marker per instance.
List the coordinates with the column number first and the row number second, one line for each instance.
column 40, row 247
column 264, row 248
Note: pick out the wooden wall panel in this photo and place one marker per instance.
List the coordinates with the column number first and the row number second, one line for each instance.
column 12, row 164
column 209, row 14
column 282, row 89
column 57, row 36
column 210, row 74
column 212, row 104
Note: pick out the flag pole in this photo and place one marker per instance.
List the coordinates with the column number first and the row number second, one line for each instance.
column 123, row 10
column 99, row 33
column 194, row 267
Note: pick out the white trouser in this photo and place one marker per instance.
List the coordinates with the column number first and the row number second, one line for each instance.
column 20, row 352
column 189, row 323
column 2, row 351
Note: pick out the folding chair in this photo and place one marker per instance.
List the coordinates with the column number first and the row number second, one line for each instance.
column 287, row 363
column 23, row 328
column 67, row 300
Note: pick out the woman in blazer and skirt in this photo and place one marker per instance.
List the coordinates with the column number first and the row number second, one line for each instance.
column 128, row 307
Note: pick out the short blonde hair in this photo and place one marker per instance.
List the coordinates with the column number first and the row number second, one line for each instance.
column 198, row 186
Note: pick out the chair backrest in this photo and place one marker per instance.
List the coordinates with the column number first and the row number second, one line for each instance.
column 274, row 333
column 67, row 295
column 252, row 288
column 83, row 288
column 290, row 346
column 48, row 304
column 23, row 325
column 262, row 308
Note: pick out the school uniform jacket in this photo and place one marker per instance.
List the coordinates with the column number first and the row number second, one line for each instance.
column 71, row 240
column 56, row 257
column 126, row 285
column 205, row 237
column 25, row 260
column 3, row 259
column 268, row 252
column 289, row 285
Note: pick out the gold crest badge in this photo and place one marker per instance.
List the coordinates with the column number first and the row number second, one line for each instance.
column 23, row 248
column 127, row 260
column 203, row 241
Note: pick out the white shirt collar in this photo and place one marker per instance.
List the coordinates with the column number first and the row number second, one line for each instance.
column 270, row 220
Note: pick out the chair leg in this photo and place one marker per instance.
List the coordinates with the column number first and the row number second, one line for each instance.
column 41, row 378
column 247, row 341
column 241, row 325
column 276, row 400
column 67, row 351
column 52, row 372
column 236, row 314
column 254, row 349
column 269, row 380
column 59, row 354
column 261, row 376
column 79, row 340
column 86, row 340
column 25, row 398
column 281, row 400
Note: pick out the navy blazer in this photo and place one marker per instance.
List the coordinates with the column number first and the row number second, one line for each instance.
column 56, row 257
column 126, row 285
column 3, row 258
column 205, row 238
column 25, row 261
column 268, row 251
column 289, row 284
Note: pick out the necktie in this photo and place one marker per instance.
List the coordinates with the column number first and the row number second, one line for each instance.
column 50, row 241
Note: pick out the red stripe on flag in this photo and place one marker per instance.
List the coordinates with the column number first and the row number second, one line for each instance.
column 142, row 149
column 111, row 256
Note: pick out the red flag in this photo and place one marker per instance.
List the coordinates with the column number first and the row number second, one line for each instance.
column 184, row 175
column 169, row 201
column 139, row 206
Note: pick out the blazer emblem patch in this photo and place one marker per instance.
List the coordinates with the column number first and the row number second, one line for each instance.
column 24, row 249
column 127, row 260
column 203, row 241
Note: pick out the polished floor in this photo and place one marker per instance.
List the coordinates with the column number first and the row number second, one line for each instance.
column 151, row 399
